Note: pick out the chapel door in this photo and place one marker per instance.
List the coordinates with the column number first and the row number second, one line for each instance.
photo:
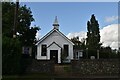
column 54, row 55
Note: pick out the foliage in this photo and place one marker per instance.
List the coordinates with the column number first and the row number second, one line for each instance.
column 13, row 61
column 108, row 53
column 78, row 44
column 28, row 38
column 11, row 49
column 7, row 18
column 93, row 36
column 118, row 55
column 26, row 34
column 76, row 41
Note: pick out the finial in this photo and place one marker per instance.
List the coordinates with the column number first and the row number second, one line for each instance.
column 55, row 24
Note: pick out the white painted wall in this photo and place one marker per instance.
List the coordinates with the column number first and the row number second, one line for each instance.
column 54, row 37
column 54, row 47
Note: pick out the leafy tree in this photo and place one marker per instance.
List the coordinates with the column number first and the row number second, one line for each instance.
column 76, row 41
column 107, row 52
column 83, row 46
column 12, row 48
column 7, row 18
column 28, row 38
column 93, row 36
column 79, row 45
column 26, row 33
column 118, row 53
column 11, row 57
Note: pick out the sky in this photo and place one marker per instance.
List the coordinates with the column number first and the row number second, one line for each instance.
column 65, row 0
column 73, row 17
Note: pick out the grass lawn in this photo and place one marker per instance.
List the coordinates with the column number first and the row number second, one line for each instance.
column 67, row 68
column 32, row 76
column 44, row 76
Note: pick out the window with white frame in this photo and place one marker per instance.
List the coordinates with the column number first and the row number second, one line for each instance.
column 43, row 50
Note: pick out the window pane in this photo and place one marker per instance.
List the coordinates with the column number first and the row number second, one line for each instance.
column 43, row 50
column 66, row 50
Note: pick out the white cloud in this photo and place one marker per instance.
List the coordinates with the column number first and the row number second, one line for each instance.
column 75, row 34
column 38, row 35
column 111, row 18
column 109, row 35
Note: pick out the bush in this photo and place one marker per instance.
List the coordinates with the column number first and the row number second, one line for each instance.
column 11, row 56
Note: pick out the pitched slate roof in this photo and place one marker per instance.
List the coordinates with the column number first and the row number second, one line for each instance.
column 48, row 34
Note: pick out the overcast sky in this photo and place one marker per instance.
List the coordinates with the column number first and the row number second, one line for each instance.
column 73, row 16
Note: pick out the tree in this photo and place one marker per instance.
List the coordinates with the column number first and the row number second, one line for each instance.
column 93, row 36
column 12, row 48
column 11, row 56
column 105, row 52
column 7, row 18
column 28, row 38
column 79, row 45
column 26, row 33
column 76, row 41
column 108, row 53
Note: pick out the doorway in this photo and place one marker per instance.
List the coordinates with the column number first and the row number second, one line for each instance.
column 54, row 55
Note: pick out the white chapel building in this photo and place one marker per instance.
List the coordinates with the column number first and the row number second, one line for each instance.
column 53, row 45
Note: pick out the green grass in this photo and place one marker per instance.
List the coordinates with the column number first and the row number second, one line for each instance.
column 67, row 68
column 31, row 76
column 44, row 76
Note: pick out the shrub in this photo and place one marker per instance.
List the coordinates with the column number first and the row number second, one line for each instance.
column 11, row 56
